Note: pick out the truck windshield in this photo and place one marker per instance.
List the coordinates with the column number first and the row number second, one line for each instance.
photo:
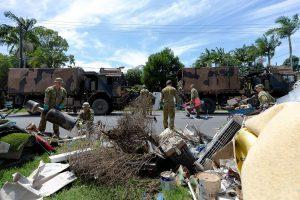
column 289, row 78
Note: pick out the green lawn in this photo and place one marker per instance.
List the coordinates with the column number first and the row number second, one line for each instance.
column 80, row 190
column 26, row 169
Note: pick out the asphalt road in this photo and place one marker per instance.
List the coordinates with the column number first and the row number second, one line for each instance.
column 208, row 126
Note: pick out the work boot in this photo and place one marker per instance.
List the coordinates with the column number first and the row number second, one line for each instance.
column 55, row 135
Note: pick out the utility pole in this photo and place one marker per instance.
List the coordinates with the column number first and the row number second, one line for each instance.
column 21, row 63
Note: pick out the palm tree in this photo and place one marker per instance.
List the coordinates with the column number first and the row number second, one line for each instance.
column 240, row 54
column 204, row 60
column 14, row 36
column 287, row 28
column 267, row 45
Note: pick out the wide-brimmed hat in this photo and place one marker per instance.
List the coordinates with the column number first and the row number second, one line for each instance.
column 169, row 82
column 261, row 86
column 85, row 105
column 59, row 80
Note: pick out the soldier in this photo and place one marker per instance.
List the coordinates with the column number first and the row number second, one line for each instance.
column 86, row 116
column 167, row 97
column 264, row 98
column 146, row 97
column 194, row 103
column 55, row 97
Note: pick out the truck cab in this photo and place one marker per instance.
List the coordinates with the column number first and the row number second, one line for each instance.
column 105, row 90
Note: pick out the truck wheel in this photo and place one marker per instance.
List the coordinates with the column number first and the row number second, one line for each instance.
column 209, row 106
column 100, row 107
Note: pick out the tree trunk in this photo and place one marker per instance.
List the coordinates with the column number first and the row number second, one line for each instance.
column 269, row 60
column 291, row 51
column 21, row 46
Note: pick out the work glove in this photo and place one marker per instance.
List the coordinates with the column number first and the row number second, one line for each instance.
column 79, row 124
column 61, row 107
column 46, row 107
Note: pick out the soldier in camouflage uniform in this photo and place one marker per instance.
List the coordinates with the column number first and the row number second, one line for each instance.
column 168, row 94
column 264, row 98
column 194, row 97
column 86, row 116
column 55, row 97
column 146, row 97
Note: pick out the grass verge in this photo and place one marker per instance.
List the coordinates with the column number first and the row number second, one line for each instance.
column 80, row 190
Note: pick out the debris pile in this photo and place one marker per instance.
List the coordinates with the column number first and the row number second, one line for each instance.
column 45, row 180
column 109, row 166
column 18, row 145
column 123, row 152
column 208, row 168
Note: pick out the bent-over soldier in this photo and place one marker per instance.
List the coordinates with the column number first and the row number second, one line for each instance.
column 86, row 116
column 264, row 98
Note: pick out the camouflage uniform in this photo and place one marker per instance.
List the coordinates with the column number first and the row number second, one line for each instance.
column 86, row 117
column 53, row 99
column 265, row 99
column 167, row 97
column 146, row 98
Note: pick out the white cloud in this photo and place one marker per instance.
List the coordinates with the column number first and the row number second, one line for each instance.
column 129, row 57
column 277, row 9
column 167, row 14
column 34, row 9
column 185, row 45
column 98, row 44
column 90, row 13
column 93, row 66
column 75, row 39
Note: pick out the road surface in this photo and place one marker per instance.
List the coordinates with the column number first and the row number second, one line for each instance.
column 208, row 126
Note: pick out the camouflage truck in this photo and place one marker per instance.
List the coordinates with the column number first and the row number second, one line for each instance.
column 217, row 84
column 103, row 90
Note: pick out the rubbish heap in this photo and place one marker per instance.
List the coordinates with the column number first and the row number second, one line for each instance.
column 249, row 158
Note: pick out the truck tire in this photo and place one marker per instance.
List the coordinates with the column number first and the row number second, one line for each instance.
column 101, row 107
column 209, row 105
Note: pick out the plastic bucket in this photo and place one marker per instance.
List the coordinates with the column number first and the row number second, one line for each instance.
column 167, row 180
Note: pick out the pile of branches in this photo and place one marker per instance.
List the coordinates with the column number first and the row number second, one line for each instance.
column 124, row 159
column 132, row 132
column 108, row 166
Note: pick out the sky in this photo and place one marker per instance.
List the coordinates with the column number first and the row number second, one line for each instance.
column 114, row 33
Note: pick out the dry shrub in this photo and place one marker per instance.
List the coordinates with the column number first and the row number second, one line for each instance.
column 122, row 162
column 132, row 132
column 108, row 165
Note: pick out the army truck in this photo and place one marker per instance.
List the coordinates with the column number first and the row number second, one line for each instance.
column 217, row 84
column 103, row 90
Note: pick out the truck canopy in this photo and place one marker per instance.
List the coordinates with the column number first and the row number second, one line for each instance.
column 211, row 80
column 34, row 81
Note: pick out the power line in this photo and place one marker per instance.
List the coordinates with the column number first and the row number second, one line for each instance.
column 75, row 23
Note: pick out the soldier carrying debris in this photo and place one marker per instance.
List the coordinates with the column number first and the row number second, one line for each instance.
column 146, row 97
column 195, row 102
column 265, row 99
column 167, row 97
column 86, row 116
column 55, row 97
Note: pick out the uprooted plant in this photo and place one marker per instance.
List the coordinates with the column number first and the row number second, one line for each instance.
column 124, row 158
